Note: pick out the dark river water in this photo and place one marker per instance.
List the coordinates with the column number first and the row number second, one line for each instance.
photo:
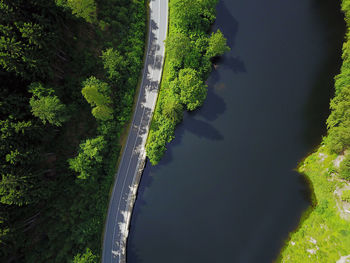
column 226, row 190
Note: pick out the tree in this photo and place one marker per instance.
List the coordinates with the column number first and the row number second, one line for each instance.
column 85, row 9
column 338, row 122
column 48, row 109
column 94, row 95
column 344, row 168
column 345, row 196
column 87, row 257
column 338, row 138
column 19, row 155
column 157, row 140
column 102, row 112
column 114, row 63
column 178, row 46
column 90, row 155
column 190, row 88
column 192, row 15
column 172, row 109
column 217, row 45
column 97, row 93
column 28, row 29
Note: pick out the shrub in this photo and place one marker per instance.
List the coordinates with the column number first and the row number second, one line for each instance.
column 344, row 168
column 346, row 196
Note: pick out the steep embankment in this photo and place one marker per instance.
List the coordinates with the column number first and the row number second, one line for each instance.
column 324, row 234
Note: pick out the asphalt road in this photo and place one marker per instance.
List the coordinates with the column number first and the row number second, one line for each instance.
column 134, row 155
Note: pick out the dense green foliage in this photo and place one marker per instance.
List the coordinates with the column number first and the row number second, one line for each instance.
column 87, row 257
column 189, row 50
column 81, row 8
column 48, row 107
column 324, row 234
column 344, row 168
column 345, row 196
column 98, row 94
column 68, row 69
column 338, row 138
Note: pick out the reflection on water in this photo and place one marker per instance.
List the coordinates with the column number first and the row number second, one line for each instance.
column 226, row 190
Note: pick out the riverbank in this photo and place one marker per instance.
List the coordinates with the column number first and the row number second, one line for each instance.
column 323, row 234
column 189, row 50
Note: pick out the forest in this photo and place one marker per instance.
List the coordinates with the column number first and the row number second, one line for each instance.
column 190, row 49
column 69, row 72
column 324, row 232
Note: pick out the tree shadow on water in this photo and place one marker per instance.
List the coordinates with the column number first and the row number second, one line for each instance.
column 226, row 23
column 146, row 181
column 199, row 128
column 229, row 27
column 316, row 109
column 202, row 130
column 214, row 105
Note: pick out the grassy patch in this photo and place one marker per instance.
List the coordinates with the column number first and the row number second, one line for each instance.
column 323, row 235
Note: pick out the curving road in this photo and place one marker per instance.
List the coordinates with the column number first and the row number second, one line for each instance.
column 134, row 155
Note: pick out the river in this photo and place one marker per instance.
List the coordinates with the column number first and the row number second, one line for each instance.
column 226, row 190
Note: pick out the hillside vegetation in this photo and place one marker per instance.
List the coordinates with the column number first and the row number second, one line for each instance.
column 189, row 50
column 324, row 234
column 68, row 69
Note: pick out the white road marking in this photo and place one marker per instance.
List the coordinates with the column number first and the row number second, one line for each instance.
column 150, row 101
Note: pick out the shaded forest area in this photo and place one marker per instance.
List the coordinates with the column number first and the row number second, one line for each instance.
column 69, row 71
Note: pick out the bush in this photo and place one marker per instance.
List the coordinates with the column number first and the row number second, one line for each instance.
column 344, row 168
column 187, row 65
column 346, row 196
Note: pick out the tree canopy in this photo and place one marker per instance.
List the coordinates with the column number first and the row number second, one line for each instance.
column 191, row 89
column 97, row 93
column 217, row 45
column 50, row 208
column 49, row 109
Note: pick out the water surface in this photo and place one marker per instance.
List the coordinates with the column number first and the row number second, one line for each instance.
column 226, row 190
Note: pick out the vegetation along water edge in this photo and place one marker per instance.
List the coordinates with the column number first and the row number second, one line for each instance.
column 324, row 232
column 189, row 51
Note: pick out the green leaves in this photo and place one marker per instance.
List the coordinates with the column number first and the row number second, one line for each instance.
column 102, row 112
column 90, row 155
column 19, row 156
column 172, row 109
column 191, row 88
column 192, row 15
column 344, row 168
column 346, row 196
column 114, row 63
column 87, row 257
column 85, row 9
column 46, row 106
column 338, row 122
column 25, row 42
column 43, row 43
column 155, row 147
column 97, row 93
column 178, row 46
column 49, row 109
column 217, row 45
